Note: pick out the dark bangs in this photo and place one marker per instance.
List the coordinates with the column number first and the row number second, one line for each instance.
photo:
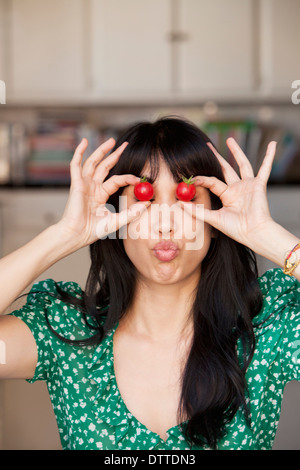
column 180, row 143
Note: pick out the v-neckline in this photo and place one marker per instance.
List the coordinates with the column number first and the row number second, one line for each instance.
column 177, row 426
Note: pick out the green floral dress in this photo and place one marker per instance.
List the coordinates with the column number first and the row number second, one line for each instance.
column 89, row 409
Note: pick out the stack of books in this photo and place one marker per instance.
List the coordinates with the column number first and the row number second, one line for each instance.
column 13, row 151
column 53, row 145
column 43, row 157
column 253, row 138
column 50, row 151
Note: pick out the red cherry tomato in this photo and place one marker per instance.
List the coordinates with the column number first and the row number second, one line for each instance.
column 143, row 190
column 185, row 190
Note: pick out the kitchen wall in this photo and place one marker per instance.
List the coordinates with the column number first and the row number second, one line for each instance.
column 90, row 68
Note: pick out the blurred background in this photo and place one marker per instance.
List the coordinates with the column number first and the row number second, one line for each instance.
column 90, row 68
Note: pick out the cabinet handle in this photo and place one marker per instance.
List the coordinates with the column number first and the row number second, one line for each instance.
column 177, row 36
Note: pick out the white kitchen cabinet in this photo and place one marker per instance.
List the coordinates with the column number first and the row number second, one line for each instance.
column 3, row 41
column 165, row 48
column 27, row 419
column 122, row 51
column 215, row 47
column 26, row 213
column 47, row 49
column 131, row 53
column 279, row 46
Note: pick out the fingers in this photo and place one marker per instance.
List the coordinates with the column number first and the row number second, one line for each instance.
column 245, row 167
column 105, row 166
column 229, row 173
column 266, row 166
column 111, row 222
column 198, row 211
column 133, row 212
column 75, row 164
column 117, row 181
column 246, row 170
column 212, row 183
column 93, row 167
column 93, row 160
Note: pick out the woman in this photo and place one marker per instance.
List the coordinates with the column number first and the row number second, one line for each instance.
column 182, row 349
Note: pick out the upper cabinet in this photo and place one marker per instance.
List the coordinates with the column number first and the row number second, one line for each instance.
column 103, row 51
column 279, row 46
column 3, row 40
column 47, row 48
column 130, row 49
column 215, row 47
column 163, row 48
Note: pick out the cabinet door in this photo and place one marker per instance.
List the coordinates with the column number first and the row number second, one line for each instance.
column 47, row 48
column 131, row 53
column 3, row 45
column 215, row 53
column 25, row 214
column 280, row 39
column 27, row 419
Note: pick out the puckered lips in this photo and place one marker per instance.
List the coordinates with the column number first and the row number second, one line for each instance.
column 166, row 250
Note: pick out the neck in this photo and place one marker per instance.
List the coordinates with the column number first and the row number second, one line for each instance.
column 161, row 312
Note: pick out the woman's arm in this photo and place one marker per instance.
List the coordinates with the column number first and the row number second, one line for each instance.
column 273, row 242
column 18, row 269
column 85, row 220
column 21, row 267
column 245, row 215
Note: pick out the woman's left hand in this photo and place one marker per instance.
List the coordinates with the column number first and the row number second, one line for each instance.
column 245, row 212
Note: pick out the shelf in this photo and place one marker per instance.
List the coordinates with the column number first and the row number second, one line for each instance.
column 15, row 187
column 147, row 101
column 33, row 186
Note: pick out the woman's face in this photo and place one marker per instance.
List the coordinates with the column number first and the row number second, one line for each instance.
column 166, row 221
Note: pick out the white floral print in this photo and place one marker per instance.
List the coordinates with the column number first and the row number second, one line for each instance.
column 89, row 409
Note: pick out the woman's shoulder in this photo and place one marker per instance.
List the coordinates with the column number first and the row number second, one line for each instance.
column 50, row 310
column 280, row 293
column 277, row 327
column 274, row 280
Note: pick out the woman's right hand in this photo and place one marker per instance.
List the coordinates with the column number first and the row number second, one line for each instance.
column 85, row 216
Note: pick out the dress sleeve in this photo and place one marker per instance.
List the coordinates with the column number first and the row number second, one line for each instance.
column 280, row 319
column 43, row 309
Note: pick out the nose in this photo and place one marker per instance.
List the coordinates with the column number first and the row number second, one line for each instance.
column 163, row 219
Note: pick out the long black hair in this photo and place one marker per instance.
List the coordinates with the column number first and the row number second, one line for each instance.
column 213, row 385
